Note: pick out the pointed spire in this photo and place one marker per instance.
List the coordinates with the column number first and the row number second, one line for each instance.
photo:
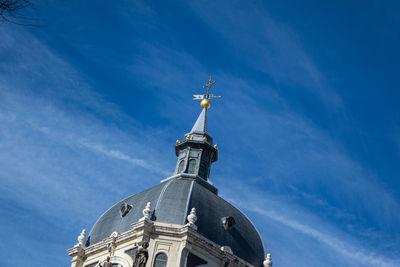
column 201, row 125
column 197, row 151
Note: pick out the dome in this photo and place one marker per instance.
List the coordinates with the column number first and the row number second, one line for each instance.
column 189, row 187
column 172, row 201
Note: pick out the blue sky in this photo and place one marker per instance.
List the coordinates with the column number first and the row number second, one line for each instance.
column 308, row 128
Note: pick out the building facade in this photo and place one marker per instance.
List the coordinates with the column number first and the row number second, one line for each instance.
column 181, row 222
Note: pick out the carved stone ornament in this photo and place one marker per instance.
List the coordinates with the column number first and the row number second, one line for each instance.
column 268, row 261
column 227, row 249
column 192, row 218
column 114, row 234
column 228, row 222
column 147, row 211
column 81, row 239
column 142, row 256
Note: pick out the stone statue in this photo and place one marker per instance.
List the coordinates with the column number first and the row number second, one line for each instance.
column 141, row 256
column 107, row 263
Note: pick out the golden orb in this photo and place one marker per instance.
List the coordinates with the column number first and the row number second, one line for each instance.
column 205, row 103
column 178, row 141
column 216, row 146
column 204, row 138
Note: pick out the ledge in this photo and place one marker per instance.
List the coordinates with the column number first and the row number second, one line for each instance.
column 194, row 177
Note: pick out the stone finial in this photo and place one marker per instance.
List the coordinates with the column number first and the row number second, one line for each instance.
column 147, row 211
column 268, row 261
column 114, row 234
column 81, row 239
column 192, row 218
column 226, row 249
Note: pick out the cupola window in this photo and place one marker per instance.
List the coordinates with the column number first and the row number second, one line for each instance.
column 203, row 170
column 181, row 165
column 161, row 260
column 192, row 166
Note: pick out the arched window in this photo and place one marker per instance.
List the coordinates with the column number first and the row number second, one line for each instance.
column 203, row 170
column 161, row 260
column 192, row 166
column 102, row 264
column 92, row 264
column 181, row 165
column 115, row 261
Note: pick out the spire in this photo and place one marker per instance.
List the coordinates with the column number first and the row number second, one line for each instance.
column 201, row 125
column 197, row 151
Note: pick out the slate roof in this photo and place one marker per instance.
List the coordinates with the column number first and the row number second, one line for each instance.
column 201, row 124
column 171, row 202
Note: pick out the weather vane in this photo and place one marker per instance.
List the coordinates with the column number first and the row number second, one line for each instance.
column 205, row 99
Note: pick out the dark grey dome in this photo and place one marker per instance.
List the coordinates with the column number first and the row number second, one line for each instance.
column 171, row 202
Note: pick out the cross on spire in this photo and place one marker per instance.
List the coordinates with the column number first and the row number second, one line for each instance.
column 205, row 98
column 208, row 85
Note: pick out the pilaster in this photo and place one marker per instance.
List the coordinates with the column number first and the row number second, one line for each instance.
column 78, row 256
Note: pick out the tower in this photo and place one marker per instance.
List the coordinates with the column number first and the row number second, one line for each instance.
column 181, row 222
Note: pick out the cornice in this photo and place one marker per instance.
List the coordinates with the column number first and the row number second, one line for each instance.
column 147, row 227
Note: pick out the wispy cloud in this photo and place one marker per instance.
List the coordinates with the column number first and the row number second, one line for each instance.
column 357, row 254
column 63, row 158
column 274, row 216
column 121, row 156
column 289, row 155
column 267, row 46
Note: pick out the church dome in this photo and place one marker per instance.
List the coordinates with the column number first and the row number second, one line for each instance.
column 189, row 187
column 172, row 201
